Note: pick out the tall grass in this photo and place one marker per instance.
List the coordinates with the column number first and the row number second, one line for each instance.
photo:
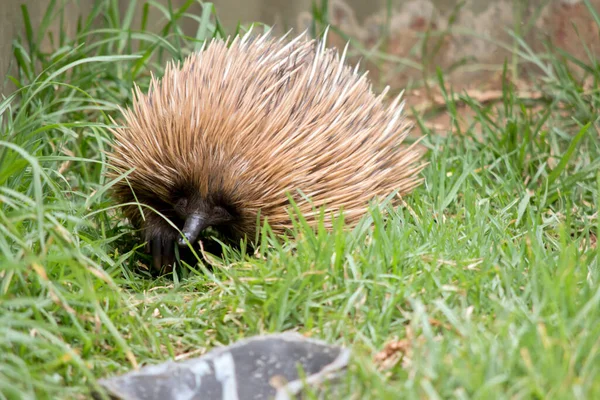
column 488, row 276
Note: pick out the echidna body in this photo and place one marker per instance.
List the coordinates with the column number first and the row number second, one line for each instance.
column 225, row 137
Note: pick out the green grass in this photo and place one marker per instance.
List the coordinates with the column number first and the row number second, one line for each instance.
column 489, row 275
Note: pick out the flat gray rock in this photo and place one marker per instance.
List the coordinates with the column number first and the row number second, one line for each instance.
column 262, row 367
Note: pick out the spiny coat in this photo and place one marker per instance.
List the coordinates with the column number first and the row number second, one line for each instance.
column 221, row 139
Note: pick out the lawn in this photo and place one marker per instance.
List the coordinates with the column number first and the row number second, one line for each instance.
column 484, row 285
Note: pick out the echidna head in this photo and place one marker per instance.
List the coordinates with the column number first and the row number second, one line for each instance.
column 188, row 210
column 197, row 215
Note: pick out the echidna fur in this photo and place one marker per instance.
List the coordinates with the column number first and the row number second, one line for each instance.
column 221, row 141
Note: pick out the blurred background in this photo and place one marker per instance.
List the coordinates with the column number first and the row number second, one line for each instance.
column 402, row 41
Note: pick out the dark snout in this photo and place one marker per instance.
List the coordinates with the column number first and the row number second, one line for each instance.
column 194, row 224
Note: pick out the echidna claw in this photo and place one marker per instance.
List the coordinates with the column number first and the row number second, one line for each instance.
column 163, row 253
column 156, row 248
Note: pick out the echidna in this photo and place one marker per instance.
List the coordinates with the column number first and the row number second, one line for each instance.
column 222, row 140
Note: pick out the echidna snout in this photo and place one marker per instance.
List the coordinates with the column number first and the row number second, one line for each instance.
column 194, row 224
